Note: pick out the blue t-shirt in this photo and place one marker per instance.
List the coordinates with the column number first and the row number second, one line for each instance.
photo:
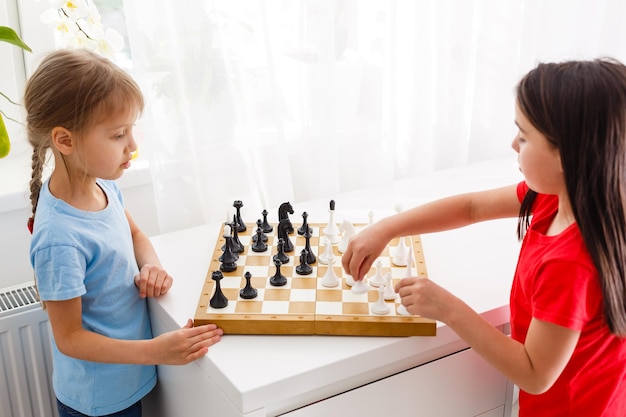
column 85, row 254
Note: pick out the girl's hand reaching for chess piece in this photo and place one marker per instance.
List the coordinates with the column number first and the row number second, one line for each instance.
column 423, row 297
column 363, row 249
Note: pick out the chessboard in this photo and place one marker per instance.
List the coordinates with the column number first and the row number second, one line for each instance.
column 303, row 305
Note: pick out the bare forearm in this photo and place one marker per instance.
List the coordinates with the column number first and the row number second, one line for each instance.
column 520, row 363
column 144, row 251
column 90, row 346
column 452, row 212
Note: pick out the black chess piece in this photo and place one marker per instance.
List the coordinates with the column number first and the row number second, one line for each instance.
column 281, row 256
column 259, row 245
column 228, row 258
column 284, row 210
column 283, row 233
column 304, row 268
column 311, row 259
column 278, row 280
column 241, row 225
column 267, row 228
column 259, row 224
column 248, row 292
column 305, row 224
column 237, row 245
column 218, row 300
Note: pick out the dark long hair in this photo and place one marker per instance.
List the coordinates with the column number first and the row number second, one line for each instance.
column 580, row 106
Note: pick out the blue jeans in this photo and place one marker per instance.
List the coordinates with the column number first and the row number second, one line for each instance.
column 132, row 411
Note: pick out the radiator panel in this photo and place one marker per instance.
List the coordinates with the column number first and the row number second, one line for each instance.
column 25, row 356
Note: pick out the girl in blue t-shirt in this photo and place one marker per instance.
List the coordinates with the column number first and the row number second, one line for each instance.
column 94, row 268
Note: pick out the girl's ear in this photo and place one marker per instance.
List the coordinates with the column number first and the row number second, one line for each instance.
column 63, row 141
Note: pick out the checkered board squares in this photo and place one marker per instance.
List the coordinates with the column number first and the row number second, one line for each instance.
column 304, row 305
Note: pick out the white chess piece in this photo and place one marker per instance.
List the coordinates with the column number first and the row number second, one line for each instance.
column 409, row 263
column 360, row 287
column 325, row 258
column 347, row 230
column 409, row 273
column 330, row 278
column 390, row 293
column 331, row 231
column 399, row 257
column 378, row 279
column 380, row 306
column 349, row 280
column 403, row 311
column 371, row 218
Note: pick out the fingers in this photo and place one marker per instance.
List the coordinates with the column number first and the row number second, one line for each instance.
column 153, row 281
column 354, row 263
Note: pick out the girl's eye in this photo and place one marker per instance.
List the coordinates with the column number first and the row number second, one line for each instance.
column 120, row 135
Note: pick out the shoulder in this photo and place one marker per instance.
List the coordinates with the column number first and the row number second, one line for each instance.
column 543, row 203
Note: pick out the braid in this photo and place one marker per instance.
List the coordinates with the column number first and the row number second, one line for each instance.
column 38, row 161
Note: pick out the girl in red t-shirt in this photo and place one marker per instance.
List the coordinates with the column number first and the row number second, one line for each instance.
column 567, row 350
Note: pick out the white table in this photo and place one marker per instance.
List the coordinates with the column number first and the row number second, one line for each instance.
column 332, row 375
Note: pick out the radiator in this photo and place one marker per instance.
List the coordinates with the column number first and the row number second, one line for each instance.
column 25, row 356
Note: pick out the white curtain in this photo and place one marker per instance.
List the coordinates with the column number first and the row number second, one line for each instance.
column 267, row 101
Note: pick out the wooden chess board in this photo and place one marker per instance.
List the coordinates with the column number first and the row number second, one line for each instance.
column 303, row 305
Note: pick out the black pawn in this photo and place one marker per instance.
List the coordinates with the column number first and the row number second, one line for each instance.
column 304, row 268
column 311, row 259
column 281, row 256
column 248, row 292
column 267, row 228
column 238, row 204
column 278, row 280
column 305, row 224
column 259, row 224
column 218, row 300
column 259, row 245
column 229, row 258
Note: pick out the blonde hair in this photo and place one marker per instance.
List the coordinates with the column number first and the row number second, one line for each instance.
column 73, row 89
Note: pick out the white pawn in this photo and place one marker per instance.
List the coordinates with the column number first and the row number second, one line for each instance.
column 371, row 218
column 349, row 280
column 325, row 258
column 360, row 287
column 330, row 279
column 399, row 257
column 380, row 307
column 378, row 279
column 403, row 311
column 390, row 293
column 409, row 273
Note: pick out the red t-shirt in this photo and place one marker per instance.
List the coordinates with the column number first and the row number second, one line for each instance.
column 557, row 282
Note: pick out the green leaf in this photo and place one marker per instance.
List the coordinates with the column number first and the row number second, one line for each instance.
column 8, row 35
column 5, row 144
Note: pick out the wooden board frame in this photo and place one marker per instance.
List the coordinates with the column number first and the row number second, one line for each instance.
column 307, row 319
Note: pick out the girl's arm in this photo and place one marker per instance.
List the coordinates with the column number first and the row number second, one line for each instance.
column 174, row 348
column 152, row 279
column 444, row 214
column 534, row 365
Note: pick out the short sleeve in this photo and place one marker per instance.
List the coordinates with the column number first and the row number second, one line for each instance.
column 566, row 294
column 59, row 272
